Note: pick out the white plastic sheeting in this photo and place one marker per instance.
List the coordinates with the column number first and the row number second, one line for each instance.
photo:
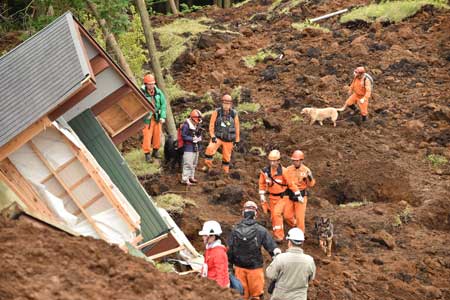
column 57, row 152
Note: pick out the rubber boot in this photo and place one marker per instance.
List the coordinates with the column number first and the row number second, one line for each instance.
column 353, row 108
column 148, row 157
column 364, row 118
column 155, row 154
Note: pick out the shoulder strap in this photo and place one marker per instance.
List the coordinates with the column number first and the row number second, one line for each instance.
column 266, row 170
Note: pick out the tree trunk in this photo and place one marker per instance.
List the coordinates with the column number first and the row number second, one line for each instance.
column 173, row 7
column 111, row 41
column 226, row 3
column 142, row 9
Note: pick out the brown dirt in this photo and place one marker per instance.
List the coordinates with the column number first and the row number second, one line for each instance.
column 42, row 263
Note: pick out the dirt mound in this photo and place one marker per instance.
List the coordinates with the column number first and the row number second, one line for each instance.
column 41, row 263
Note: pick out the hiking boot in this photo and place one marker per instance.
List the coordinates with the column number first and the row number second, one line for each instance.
column 193, row 180
column 155, row 154
column 148, row 157
column 187, row 182
column 364, row 118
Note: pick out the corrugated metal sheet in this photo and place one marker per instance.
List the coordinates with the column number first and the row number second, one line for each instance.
column 100, row 145
column 37, row 76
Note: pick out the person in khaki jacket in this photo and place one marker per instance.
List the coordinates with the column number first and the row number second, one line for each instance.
column 292, row 270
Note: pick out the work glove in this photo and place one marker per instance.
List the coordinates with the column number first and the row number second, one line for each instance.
column 262, row 197
column 362, row 100
column 300, row 198
column 196, row 139
column 214, row 139
column 162, row 121
column 276, row 252
column 236, row 144
column 310, row 176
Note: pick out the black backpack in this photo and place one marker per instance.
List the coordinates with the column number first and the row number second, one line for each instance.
column 245, row 245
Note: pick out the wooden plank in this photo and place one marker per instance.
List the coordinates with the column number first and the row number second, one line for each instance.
column 90, row 202
column 23, row 137
column 105, row 125
column 111, row 99
column 131, row 130
column 47, row 179
column 86, row 88
column 83, row 46
column 133, row 106
column 71, row 194
column 115, row 118
column 165, row 253
column 155, row 240
column 118, row 131
column 75, row 185
column 93, row 172
column 65, row 165
column 99, row 64
column 23, row 189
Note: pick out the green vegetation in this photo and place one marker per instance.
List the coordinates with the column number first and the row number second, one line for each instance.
column 173, row 203
column 174, row 90
column 394, row 11
column 175, row 36
column 258, row 151
column 309, row 24
column 165, row 267
column 207, row 99
column 236, row 94
column 437, row 160
column 252, row 60
column 355, row 204
column 181, row 117
column 136, row 160
column 402, row 218
column 296, row 118
column 185, row 9
column 251, row 124
column 248, row 107
column 241, row 3
column 284, row 6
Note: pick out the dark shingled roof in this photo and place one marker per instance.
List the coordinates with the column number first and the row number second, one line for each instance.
column 38, row 75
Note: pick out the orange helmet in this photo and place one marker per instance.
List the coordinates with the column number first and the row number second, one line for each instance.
column 359, row 70
column 250, row 205
column 298, row 155
column 196, row 115
column 149, row 79
column 227, row 99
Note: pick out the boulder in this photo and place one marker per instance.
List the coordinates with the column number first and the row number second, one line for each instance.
column 210, row 39
column 269, row 74
column 415, row 125
column 384, row 238
column 313, row 52
column 272, row 124
column 230, row 194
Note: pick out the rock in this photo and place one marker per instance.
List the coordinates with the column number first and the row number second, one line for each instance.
column 360, row 50
column 383, row 148
column 230, row 194
column 423, row 145
column 288, row 103
column 359, row 40
column 246, row 95
column 210, row 39
column 289, row 53
column 220, row 183
column 405, row 33
column 216, row 77
column 269, row 73
column 384, row 238
column 379, row 211
column 431, row 292
column 272, row 124
column 221, row 52
column 329, row 80
column 378, row 261
column 415, row 125
column 247, row 32
column 323, row 203
column 259, row 17
column 235, row 175
column 187, row 58
column 313, row 52
column 315, row 61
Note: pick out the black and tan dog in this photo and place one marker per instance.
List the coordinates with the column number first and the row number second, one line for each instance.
column 324, row 231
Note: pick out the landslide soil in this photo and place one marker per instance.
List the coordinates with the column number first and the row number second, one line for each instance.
column 393, row 246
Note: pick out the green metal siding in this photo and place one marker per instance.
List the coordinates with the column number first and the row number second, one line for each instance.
column 105, row 152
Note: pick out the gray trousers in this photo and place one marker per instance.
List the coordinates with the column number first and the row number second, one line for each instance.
column 190, row 161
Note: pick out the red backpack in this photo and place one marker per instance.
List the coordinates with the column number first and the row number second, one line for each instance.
column 180, row 137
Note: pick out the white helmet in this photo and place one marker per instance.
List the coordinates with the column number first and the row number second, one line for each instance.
column 211, row 228
column 296, row 236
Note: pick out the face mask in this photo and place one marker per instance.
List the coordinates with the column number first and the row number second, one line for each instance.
column 249, row 214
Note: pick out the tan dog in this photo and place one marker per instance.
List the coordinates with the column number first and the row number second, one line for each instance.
column 320, row 114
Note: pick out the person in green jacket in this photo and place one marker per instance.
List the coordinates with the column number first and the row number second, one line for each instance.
column 153, row 122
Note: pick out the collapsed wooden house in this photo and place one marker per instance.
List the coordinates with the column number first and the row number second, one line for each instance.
column 63, row 105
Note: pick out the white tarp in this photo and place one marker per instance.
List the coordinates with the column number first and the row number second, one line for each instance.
column 57, row 152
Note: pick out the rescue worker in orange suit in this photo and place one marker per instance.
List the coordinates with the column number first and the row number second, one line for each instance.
column 216, row 259
column 360, row 91
column 154, row 121
column 275, row 180
column 294, row 211
column 244, row 251
column 224, row 132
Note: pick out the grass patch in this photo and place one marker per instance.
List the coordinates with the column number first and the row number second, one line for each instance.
column 394, row 11
column 251, row 124
column 296, row 118
column 309, row 24
column 252, row 60
column 248, row 107
column 175, row 36
column 174, row 91
column 402, row 218
column 355, row 204
column 136, row 160
column 165, row 267
column 207, row 99
column 241, row 3
column 181, row 117
column 174, row 203
column 258, row 151
column 284, row 7
column 437, row 160
column 236, row 94
column 217, row 156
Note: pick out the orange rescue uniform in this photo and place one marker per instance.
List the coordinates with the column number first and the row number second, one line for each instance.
column 227, row 146
column 276, row 185
column 294, row 212
column 152, row 136
column 361, row 88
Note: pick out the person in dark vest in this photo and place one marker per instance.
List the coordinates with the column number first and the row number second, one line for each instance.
column 224, row 132
column 153, row 121
column 244, row 252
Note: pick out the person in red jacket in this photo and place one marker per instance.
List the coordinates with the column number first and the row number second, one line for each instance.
column 216, row 259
